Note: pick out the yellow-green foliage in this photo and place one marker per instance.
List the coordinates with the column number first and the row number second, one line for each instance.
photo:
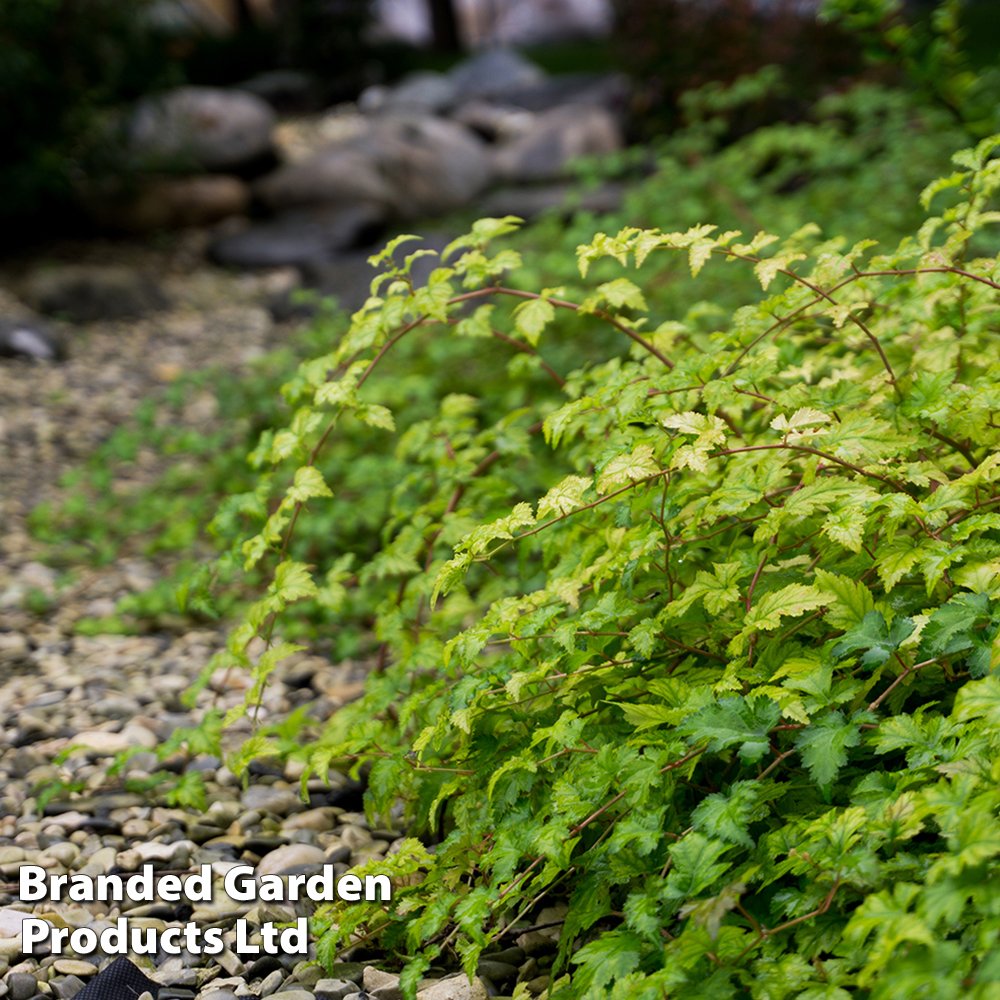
column 701, row 634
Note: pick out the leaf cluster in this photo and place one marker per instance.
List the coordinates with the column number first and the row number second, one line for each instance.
column 700, row 634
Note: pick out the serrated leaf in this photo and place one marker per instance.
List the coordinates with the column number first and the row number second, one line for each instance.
column 803, row 417
column 631, row 467
column 747, row 722
column 478, row 324
column 824, row 746
column 696, row 866
column 564, row 497
column 727, row 817
column 483, row 230
column 531, row 317
column 622, row 293
column 375, row 416
column 874, row 636
column 711, row 428
column 979, row 699
column 766, row 270
column 293, row 581
column 308, row 483
column 698, row 254
column 850, row 600
column 787, row 602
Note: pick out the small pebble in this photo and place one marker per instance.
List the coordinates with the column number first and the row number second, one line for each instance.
column 74, row 967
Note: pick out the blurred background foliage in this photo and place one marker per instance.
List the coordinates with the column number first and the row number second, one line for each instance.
column 67, row 65
column 749, row 119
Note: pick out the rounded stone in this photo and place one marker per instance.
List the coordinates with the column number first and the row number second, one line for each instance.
column 215, row 128
column 21, row 986
column 290, row 856
column 74, row 967
column 266, row 799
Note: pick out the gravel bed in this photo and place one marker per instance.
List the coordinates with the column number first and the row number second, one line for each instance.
column 101, row 695
column 70, row 702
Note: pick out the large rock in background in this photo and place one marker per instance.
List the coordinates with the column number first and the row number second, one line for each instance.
column 148, row 204
column 83, row 293
column 422, row 92
column 200, row 127
column 431, row 144
column 348, row 277
column 304, row 238
column 336, row 175
column 490, row 75
column 556, row 138
column 412, row 165
column 494, row 74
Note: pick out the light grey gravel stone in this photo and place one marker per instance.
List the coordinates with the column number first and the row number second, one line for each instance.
column 74, row 967
column 289, row 856
column 267, row 799
column 21, row 985
column 292, row 995
column 334, row 989
column 66, row 987
column 455, row 988
column 271, row 983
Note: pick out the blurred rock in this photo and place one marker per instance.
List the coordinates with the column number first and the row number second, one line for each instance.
column 556, row 138
column 608, row 90
column 494, row 73
column 412, row 165
column 156, row 203
column 28, row 338
column 348, row 277
column 424, row 91
column 300, row 237
column 494, row 122
column 525, row 202
column 288, row 91
column 298, row 139
column 337, row 174
column 84, row 293
column 200, row 127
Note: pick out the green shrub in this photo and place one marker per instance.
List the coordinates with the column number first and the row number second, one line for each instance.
column 854, row 168
column 703, row 639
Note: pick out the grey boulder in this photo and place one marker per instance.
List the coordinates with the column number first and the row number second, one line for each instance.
column 153, row 203
column 422, row 91
column 200, row 127
column 84, row 293
column 495, row 73
column 531, row 200
column 28, row 338
column 300, row 238
column 599, row 89
column 334, row 989
column 412, row 165
column 555, row 139
column 336, row 175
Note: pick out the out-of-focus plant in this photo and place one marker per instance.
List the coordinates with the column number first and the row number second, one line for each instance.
column 61, row 63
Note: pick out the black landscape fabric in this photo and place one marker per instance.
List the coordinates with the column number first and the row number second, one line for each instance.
column 121, row 980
